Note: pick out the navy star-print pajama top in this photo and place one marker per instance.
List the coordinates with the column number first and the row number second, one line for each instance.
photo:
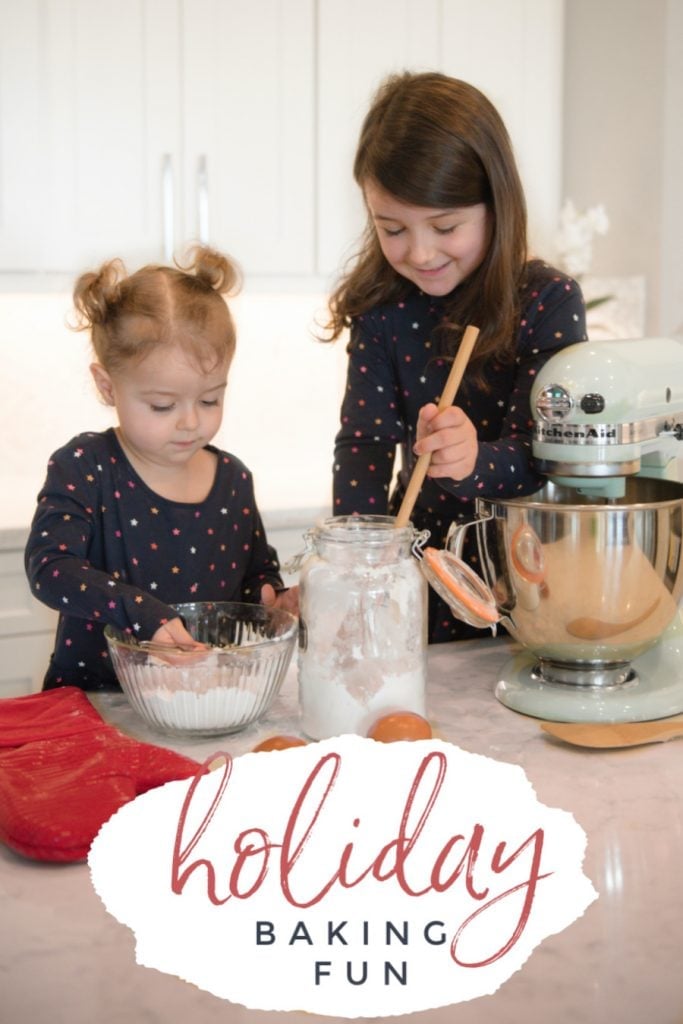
column 393, row 370
column 104, row 548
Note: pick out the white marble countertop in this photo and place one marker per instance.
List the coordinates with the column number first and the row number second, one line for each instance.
column 65, row 960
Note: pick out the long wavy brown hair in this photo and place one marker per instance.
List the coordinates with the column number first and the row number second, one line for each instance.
column 434, row 141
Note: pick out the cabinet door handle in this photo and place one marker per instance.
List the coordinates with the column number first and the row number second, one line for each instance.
column 203, row 199
column 168, row 227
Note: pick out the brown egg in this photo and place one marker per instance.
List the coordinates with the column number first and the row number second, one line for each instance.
column 279, row 743
column 400, row 725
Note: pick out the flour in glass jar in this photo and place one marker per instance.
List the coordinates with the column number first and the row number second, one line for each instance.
column 363, row 650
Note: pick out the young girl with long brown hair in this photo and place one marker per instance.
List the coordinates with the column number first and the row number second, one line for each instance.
column 445, row 246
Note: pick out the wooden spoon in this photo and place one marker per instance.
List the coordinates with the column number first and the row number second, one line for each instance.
column 447, row 398
column 588, row 628
column 615, row 734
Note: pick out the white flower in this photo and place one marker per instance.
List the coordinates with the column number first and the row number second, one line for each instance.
column 575, row 236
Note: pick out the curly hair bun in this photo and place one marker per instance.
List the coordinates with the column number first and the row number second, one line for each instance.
column 158, row 304
column 97, row 291
column 213, row 270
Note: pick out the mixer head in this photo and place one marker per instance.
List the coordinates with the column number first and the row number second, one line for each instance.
column 606, row 410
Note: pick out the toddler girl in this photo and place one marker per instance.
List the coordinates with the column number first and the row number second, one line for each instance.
column 445, row 246
column 149, row 513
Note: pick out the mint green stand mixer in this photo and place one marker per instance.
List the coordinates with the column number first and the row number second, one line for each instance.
column 587, row 573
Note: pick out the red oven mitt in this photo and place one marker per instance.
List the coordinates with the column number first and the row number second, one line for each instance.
column 64, row 772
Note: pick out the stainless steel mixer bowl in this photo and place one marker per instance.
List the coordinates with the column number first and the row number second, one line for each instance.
column 586, row 584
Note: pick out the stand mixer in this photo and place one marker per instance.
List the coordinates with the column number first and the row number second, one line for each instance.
column 609, row 410
column 587, row 573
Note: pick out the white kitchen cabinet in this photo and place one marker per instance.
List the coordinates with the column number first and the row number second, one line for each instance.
column 359, row 43
column 138, row 129
column 248, row 176
column 27, row 628
column 89, row 101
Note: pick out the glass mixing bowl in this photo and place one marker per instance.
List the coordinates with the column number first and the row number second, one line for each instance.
column 221, row 690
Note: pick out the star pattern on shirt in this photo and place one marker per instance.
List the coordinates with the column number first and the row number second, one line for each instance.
column 125, row 559
column 395, row 367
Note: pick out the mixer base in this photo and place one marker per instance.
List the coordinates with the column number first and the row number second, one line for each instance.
column 654, row 691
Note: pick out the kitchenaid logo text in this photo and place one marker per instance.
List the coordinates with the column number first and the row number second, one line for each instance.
column 417, row 872
column 347, row 877
column 599, row 434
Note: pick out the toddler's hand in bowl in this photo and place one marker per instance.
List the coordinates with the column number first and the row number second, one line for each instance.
column 183, row 648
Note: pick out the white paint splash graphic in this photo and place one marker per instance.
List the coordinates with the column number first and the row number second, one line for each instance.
column 346, row 877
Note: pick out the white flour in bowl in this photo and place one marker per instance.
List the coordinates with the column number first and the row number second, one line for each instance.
column 220, row 709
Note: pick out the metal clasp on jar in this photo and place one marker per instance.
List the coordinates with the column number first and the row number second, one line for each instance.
column 419, row 540
column 293, row 564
